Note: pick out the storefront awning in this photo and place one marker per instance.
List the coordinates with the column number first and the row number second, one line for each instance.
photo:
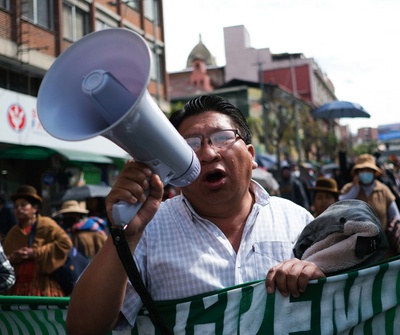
column 41, row 153
column 80, row 156
column 27, row 152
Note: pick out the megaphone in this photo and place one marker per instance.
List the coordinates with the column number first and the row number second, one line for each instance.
column 98, row 86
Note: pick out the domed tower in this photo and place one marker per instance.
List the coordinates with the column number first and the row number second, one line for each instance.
column 199, row 59
column 200, row 52
column 201, row 74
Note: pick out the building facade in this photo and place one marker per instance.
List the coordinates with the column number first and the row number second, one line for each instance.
column 33, row 33
column 301, row 75
column 287, row 85
column 200, row 75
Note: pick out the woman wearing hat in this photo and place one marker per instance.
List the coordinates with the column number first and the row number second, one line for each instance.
column 366, row 187
column 36, row 247
column 87, row 233
column 325, row 193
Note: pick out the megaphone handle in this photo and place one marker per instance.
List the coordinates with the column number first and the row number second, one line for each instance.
column 124, row 212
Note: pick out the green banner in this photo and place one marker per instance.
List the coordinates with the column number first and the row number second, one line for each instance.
column 359, row 302
column 32, row 315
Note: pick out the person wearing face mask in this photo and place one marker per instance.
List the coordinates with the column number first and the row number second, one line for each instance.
column 366, row 187
column 291, row 187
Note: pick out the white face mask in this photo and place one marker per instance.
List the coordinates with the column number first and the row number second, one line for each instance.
column 366, row 178
column 296, row 173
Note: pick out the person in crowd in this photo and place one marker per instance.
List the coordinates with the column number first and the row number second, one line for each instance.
column 267, row 180
column 344, row 175
column 96, row 207
column 7, row 218
column 87, row 233
column 7, row 274
column 337, row 175
column 220, row 231
column 387, row 178
column 292, row 188
column 36, row 247
column 325, row 193
column 365, row 186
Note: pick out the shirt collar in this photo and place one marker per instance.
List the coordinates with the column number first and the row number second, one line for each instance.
column 262, row 199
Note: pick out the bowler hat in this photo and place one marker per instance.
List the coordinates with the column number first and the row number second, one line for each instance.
column 366, row 161
column 325, row 185
column 27, row 192
column 70, row 206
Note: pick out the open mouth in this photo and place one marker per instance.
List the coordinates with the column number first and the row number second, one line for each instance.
column 214, row 176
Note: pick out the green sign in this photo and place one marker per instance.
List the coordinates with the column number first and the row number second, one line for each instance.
column 359, row 302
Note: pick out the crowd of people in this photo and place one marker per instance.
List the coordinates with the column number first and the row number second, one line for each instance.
column 34, row 246
column 224, row 229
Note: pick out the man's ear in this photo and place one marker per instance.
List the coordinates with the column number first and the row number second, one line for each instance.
column 250, row 148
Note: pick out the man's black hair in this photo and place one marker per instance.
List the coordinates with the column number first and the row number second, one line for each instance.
column 214, row 103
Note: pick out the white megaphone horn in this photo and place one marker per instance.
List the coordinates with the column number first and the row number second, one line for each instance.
column 98, row 86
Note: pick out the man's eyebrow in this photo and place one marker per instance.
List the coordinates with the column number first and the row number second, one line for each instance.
column 210, row 131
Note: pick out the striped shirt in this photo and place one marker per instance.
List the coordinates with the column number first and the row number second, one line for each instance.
column 181, row 254
column 7, row 275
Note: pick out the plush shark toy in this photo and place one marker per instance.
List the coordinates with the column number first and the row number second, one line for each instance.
column 346, row 236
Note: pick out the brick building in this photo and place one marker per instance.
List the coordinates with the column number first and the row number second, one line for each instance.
column 33, row 33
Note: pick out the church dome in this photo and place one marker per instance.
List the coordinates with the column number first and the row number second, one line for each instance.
column 201, row 52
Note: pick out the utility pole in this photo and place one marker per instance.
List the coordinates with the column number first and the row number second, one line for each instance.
column 156, row 55
column 263, row 109
column 296, row 112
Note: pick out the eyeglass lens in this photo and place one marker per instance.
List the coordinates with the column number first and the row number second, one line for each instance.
column 218, row 139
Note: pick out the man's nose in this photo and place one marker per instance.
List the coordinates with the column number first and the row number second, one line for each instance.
column 207, row 151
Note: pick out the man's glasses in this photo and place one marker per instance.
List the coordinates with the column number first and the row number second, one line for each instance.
column 219, row 139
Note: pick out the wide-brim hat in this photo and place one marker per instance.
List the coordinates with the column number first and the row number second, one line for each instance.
column 27, row 192
column 366, row 161
column 324, row 184
column 70, row 206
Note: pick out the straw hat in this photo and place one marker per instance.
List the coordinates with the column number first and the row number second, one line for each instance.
column 366, row 161
column 27, row 192
column 326, row 185
column 70, row 206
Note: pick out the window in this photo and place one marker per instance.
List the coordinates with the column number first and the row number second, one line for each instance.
column 151, row 9
column 40, row 12
column 156, row 72
column 19, row 82
column 154, row 66
column 134, row 4
column 5, row 4
column 100, row 25
column 75, row 22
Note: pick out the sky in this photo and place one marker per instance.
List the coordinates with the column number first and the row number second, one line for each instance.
column 355, row 42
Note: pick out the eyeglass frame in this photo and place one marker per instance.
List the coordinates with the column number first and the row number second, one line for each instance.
column 210, row 141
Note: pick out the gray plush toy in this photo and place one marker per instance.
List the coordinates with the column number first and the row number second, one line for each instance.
column 346, row 236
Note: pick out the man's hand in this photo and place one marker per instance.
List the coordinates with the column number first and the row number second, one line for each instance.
column 131, row 186
column 292, row 277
